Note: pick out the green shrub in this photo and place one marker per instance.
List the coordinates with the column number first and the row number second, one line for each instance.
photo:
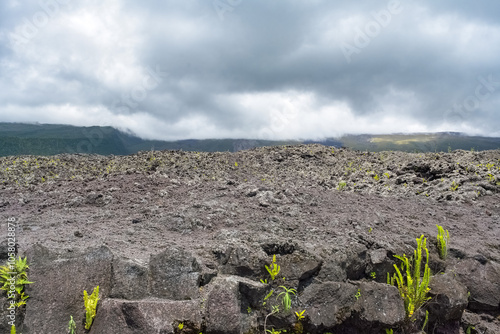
column 412, row 288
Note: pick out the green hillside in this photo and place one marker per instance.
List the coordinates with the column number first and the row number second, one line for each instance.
column 51, row 139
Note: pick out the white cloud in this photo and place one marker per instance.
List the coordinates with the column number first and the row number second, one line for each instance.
column 266, row 71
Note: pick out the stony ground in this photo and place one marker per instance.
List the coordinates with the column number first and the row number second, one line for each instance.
column 318, row 198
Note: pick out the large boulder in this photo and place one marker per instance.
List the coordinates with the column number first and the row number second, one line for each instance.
column 227, row 302
column 449, row 300
column 381, row 307
column 174, row 274
column 60, row 280
column 329, row 304
column 130, row 279
column 482, row 279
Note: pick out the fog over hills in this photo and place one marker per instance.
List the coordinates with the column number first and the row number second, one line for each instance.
column 51, row 139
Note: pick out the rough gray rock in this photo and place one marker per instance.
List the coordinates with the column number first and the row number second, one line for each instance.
column 329, row 304
column 130, row 280
column 482, row 279
column 174, row 274
column 449, row 300
column 147, row 316
column 59, row 284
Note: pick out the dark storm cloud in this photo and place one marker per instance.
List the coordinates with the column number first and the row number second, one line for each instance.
column 240, row 68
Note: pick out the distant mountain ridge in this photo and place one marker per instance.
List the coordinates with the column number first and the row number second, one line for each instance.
column 51, row 139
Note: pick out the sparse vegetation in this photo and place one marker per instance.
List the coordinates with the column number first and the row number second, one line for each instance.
column 412, row 287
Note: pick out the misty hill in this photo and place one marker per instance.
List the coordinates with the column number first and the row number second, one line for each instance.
column 51, row 139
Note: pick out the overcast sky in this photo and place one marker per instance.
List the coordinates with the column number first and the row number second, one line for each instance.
column 294, row 69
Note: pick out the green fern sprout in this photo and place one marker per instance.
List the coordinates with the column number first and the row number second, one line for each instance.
column 90, row 306
column 358, row 294
column 454, row 186
column 300, row 315
column 15, row 272
column 287, row 299
column 273, row 331
column 71, row 325
column 443, row 238
column 273, row 268
column 412, row 288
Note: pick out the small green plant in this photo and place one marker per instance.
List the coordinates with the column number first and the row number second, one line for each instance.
column 273, row 331
column 454, row 186
column 181, row 325
column 387, row 175
column 71, row 325
column 426, row 320
column 491, row 177
column 376, row 177
column 15, row 273
column 443, row 238
column 267, row 297
column 469, row 329
column 373, row 275
column 389, row 331
column 300, row 315
column 413, row 288
column 263, row 281
column 342, row 185
column 273, row 268
column 370, row 230
column 90, row 306
column 13, row 329
column 287, row 299
column 249, row 309
column 358, row 294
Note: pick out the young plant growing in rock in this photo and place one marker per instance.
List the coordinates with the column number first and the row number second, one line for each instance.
column 273, row 268
column 286, row 299
column 413, row 288
column 443, row 238
column 71, row 325
column 300, row 315
column 90, row 306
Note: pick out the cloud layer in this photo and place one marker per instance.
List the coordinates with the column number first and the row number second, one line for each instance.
column 252, row 69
